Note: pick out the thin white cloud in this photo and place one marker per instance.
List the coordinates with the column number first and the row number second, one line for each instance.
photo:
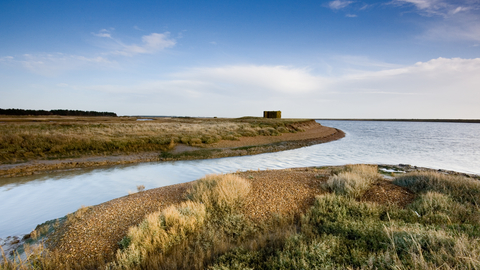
column 150, row 43
column 458, row 28
column 459, row 9
column 339, row 4
column 6, row 58
column 248, row 78
column 231, row 81
column 54, row 64
column 458, row 20
column 351, row 15
column 455, row 77
column 103, row 33
column 441, row 7
column 363, row 63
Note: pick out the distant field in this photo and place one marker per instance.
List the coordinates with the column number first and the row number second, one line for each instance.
column 50, row 137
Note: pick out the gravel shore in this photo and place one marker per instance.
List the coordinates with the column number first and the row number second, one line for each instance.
column 97, row 230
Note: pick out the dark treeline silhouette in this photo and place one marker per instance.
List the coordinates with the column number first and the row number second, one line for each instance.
column 55, row 112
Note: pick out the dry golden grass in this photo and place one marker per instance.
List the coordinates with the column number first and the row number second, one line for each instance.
column 165, row 238
column 57, row 139
column 159, row 232
column 221, row 193
column 353, row 181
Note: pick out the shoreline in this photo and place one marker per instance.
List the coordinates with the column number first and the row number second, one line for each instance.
column 470, row 121
column 298, row 187
column 313, row 133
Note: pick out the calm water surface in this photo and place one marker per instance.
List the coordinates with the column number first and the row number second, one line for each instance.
column 28, row 201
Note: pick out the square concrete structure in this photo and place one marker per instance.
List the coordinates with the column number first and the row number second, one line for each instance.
column 272, row 114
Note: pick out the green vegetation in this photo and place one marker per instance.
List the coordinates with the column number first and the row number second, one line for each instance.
column 440, row 229
column 71, row 137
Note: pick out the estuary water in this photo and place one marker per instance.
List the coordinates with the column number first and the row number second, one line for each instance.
column 31, row 200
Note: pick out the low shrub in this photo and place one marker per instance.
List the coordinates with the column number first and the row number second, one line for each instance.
column 461, row 189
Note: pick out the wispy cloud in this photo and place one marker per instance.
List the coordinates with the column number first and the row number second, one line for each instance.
column 441, row 7
column 280, row 79
column 54, row 64
column 339, row 4
column 152, row 43
column 432, row 76
column 458, row 20
column 457, row 28
column 103, row 33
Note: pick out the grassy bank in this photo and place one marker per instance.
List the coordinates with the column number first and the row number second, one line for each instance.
column 30, row 138
column 437, row 228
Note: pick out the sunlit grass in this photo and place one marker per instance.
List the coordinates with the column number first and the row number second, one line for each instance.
column 440, row 229
column 32, row 140
column 353, row 180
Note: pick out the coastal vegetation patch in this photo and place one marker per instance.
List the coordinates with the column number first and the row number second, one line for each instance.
column 345, row 228
column 58, row 138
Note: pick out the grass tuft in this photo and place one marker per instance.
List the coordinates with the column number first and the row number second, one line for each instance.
column 220, row 193
column 353, row 181
column 159, row 232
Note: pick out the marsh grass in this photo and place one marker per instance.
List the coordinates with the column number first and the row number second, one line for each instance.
column 207, row 224
column 32, row 140
column 462, row 189
column 220, row 193
column 158, row 233
column 339, row 232
column 352, row 180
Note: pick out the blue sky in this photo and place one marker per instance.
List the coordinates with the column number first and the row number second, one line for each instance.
column 355, row 59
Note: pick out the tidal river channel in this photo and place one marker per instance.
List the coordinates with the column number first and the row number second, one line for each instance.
column 31, row 200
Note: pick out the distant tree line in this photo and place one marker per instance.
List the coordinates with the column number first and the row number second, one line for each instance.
column 55, row 112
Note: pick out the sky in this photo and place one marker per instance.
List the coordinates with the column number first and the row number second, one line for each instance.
column 309, row 59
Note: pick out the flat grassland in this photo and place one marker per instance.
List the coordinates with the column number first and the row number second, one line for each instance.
column 31, row 144
column 347, row 217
